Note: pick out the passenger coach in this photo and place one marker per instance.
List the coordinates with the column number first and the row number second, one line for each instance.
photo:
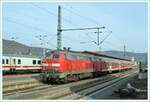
column 13, row 63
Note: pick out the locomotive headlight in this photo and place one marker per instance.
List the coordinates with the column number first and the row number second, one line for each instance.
column 45, row 64
column 55, row 64
column 56, row 69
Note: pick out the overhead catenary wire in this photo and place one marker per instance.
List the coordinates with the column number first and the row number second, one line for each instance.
column 110, row 45
column 66, row 20
column 72, row 10
column 116, row 46
column 76, row 12
column 26, row 26
column 18, row 38
column 49, row 12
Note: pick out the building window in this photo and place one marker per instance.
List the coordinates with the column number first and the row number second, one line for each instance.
column 19, row 61
column 6, row 61
column 34, row 61
column 3, row 61
column 39, row 62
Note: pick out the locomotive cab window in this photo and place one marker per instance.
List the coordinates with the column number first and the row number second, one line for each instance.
column 34, row 61
column 19, row 61
column 55, row 56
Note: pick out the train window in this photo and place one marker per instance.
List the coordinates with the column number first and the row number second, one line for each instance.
column 71, row 57
column 6, row 61
column 94, row 58
column 19, row 61
column 55, row 56
column 90, row 58
column 82, row 57
column 3, row 61
column 39, row 62
column 14, row 61
column 34, row 61
column 99, row 59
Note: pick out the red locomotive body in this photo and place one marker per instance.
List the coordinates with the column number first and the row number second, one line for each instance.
column 76, row 65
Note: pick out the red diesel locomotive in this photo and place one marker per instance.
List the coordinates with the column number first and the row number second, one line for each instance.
column 72, row 65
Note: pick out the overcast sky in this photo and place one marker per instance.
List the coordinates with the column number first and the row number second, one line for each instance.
column 127, row 21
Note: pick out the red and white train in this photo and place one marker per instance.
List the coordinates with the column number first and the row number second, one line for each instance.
column 71, row 65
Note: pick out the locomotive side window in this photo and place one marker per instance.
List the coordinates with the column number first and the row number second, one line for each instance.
column 90, row 58
column 34, row 61
column 3, row 61
column 94, row 58
column 39, row 62
column 82, row 58
column 19, row 61
column 6, row 61
column 71, row 57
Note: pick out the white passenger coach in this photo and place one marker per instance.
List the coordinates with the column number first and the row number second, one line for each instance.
column 13, row 63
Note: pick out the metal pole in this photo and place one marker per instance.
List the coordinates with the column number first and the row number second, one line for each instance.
column 44, row 52
column 98, row 36
column 99, row 49
column 124, row 50
column 98, row 39
column 59, row 29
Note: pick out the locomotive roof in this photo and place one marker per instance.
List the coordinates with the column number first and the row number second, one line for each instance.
column 102, row 55
column 92, row 53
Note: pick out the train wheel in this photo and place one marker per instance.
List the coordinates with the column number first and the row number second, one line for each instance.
column 64, row 80
column 12, row 70
column 47, row 80
column 57, row 81
column 110, row 71
column 77, row 77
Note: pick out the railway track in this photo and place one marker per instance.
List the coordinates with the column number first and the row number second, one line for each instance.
column 93, row 89
column 40, row 91
column 20, row 85
column 74, row 90
column 10, row 78
column 13, row 83
column 83, row 91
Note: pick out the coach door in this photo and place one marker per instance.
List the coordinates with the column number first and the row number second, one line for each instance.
column 12, row 64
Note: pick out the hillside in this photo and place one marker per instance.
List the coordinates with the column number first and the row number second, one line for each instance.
column 13, row 47
column 138, row 56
